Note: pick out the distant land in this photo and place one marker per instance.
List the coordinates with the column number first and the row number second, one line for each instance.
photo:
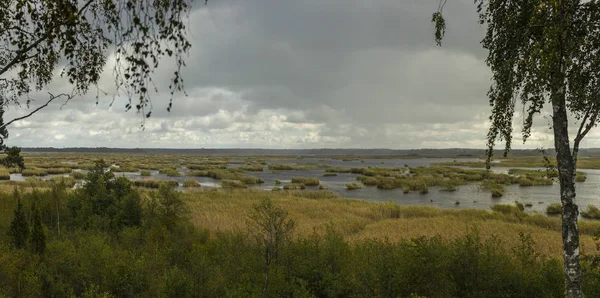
column 457, row 152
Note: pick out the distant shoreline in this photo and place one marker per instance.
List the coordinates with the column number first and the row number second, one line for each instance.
column 450, row 152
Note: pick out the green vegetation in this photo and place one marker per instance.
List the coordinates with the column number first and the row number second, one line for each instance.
column 294, row 186
column 338, row 170
column 124, row 168
column 33, row 172
column 170, row 172
column 592, row 212
column 496, row 188
column 277, row 181
column 308, row 181
column 229, row 174
column 252, row 168
column 227, row 183
column 368, row 181
column 4, row 174
column 78, row 175
column 580, row 176
column 118, row 241
column 554, row 209
column 329, row 174
column 191, row 183
column 145, row 173
column 353, row 186
column 154, row 183
column 55, row 171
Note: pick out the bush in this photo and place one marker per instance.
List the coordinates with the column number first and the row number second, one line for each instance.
column 554, row 209
column 281, row 167
column 124, row 168
column 170, row 172
column 496, row 189
column 226, row 183
column 353, row 186
column 308, row 181
column 328, row 174
column 145, row 173
column 55, row 171
column 592, row 212
column 525, row 182
column 154, row 183
column 508, row 210
column 370, row 181
column 33, row 172
column 294, row 186
column 252, row 168
column 78, row 175
column 4, row 175
column 191, row 183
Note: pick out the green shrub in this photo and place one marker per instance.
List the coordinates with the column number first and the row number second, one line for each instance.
column 145, row 173
column 294, row 186
column 496, row 189
column 191, row 183
column 276, row 188
column 507, row 209
column 327, row 174
column 281, row 167
column 154, row 183
column 252, row 168
column 33, row 172
column 55, row 171
column 592, row 212
column 226, row 183
column 554, row 209
column 170, row 172
column 525, row 182
column 4, row 175
column 580, row 176
column 78, row 175
column 124, row 168
column 370, row 181
column 277, row 181
column 308, row 181
column 353, row 186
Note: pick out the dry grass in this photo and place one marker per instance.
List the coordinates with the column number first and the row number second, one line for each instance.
column 226, row 210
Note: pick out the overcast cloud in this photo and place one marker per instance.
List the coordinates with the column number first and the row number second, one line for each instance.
column 302, row 74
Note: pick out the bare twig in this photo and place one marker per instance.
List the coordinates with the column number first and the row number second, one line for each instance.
column 52, row 97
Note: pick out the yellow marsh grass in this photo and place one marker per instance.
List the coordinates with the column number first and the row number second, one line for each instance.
column 226, row 210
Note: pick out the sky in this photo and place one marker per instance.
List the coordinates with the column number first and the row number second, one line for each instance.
column 301, row 74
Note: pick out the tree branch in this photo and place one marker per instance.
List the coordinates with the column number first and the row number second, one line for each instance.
column 20, row 58
column 52, row 97
column 584, row 129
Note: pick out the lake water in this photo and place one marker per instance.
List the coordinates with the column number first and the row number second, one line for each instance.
column 468, row 196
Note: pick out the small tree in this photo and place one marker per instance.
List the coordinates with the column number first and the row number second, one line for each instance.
column 38, row 236
column 19, row 229
column 171, row 209
column 273, row 228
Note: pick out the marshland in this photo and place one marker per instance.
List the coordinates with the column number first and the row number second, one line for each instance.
column 138, row 224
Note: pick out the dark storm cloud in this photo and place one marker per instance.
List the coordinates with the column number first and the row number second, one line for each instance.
column 287, row 74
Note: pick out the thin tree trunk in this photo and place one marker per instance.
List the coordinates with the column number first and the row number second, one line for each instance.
column 566, row 171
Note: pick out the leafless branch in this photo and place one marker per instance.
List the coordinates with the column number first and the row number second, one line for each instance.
column 587, row 123
column 52, row 97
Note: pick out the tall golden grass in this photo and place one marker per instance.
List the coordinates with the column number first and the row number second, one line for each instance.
column 226, row 210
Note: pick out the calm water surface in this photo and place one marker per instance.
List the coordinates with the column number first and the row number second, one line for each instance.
column 468, row 196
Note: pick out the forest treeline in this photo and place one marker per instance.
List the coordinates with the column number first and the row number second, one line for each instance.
column 110, row 239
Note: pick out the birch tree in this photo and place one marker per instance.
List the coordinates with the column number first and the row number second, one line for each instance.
column 544, row 53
